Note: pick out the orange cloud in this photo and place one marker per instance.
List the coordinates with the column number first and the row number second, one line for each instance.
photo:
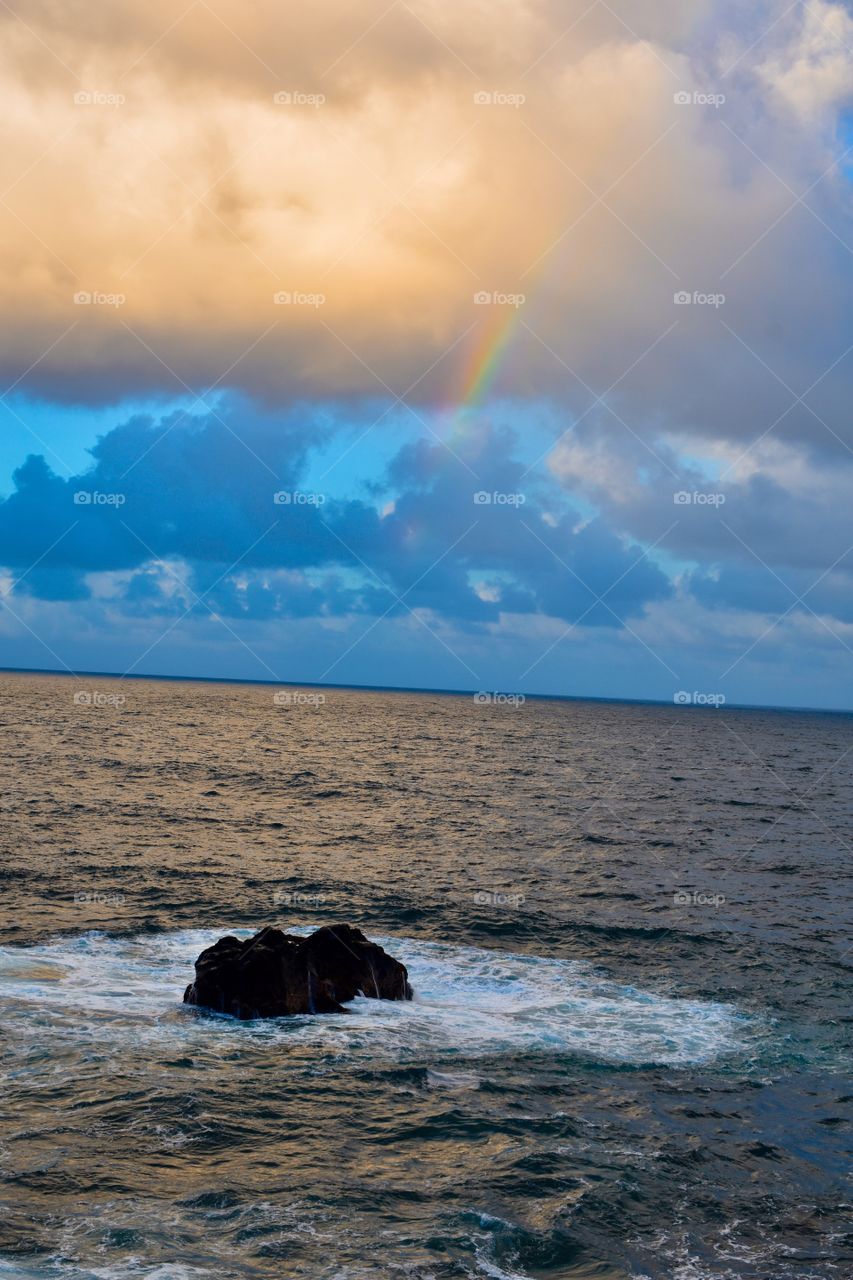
column 379, row 167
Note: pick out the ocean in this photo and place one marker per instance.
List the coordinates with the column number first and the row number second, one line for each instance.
column 628, row 932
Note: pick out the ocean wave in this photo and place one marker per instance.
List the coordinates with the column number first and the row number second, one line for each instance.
column 469, row 1001
column 133, row 1269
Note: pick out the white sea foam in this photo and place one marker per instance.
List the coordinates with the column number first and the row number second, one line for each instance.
column 469, row 1002
column 133, row 1269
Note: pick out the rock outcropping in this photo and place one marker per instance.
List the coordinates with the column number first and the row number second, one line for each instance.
column 275, row 973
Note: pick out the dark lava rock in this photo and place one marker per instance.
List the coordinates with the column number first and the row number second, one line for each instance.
column 275, row 973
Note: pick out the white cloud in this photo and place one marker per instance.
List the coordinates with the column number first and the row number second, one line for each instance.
column 813, row 74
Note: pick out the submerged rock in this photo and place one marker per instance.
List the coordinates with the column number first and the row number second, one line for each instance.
column 275, row 973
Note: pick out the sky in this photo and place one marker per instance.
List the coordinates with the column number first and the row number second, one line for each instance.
column 434, row 344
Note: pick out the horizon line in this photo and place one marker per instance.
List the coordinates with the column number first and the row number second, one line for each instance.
column 424, row 689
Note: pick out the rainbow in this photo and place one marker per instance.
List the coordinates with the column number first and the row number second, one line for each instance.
column 484, row 361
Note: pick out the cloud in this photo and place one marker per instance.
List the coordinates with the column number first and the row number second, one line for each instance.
column 221, row 502
column 772, row 506
column 198, row 198
column 667, row 190
column 814, row 74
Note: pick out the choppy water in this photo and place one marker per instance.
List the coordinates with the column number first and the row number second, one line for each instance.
column 627, row 932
